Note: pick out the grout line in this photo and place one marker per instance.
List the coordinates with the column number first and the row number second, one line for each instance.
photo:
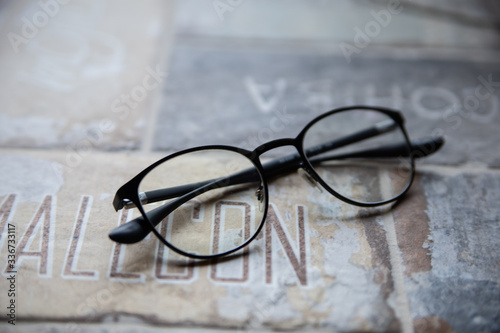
column 157, row 96
column 440, row 169
column 149, row 131
column 475, row 54
column 450, row 169
column 402, row 305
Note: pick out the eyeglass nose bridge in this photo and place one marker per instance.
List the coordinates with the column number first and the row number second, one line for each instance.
column 278, row 143
column 300, row 165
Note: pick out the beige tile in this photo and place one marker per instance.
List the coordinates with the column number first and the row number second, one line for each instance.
column 67, row 68
column 327, row 264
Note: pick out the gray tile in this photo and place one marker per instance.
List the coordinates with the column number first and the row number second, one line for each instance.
column 452, row 271
column 422, row 22
column 247, row 96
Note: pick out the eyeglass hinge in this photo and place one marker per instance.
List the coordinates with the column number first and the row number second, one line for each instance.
column 128, row 204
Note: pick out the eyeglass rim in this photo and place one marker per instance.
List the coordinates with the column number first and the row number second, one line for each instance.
column 260, row 170
column 394, row 115
column 134, row 197
column 130, row 190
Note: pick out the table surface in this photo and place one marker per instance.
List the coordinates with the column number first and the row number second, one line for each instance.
column 92, row 92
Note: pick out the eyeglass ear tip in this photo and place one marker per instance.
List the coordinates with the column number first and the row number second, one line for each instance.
column 129, row 233
column 119, row 236
column 114, row 237
column 440, row 141
column 428, row 146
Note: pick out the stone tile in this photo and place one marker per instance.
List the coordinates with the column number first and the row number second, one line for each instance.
column 339, row 276
column 319, row 264
column 328, row 265
column 246, row 96
column 455, row 24
column 67, row 68
column 448, row 233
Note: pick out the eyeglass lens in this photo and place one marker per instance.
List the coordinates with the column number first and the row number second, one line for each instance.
column 370, row 160
column 216, row 197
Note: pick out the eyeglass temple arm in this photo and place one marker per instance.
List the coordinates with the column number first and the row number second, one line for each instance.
column 294, row 161
column 419, row 148
column 271, row 169
column 135, row 230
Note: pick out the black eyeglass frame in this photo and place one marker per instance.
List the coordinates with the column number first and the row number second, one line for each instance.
column 130, row 190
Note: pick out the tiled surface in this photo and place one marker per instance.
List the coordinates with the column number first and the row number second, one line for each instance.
column 252, row 95
column 69, row 139
column 429, row 260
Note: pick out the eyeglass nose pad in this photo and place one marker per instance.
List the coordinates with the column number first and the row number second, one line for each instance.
column 308, row 178
column 259, row 193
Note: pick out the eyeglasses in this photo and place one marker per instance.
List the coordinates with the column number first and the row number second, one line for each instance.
column 210, row 201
